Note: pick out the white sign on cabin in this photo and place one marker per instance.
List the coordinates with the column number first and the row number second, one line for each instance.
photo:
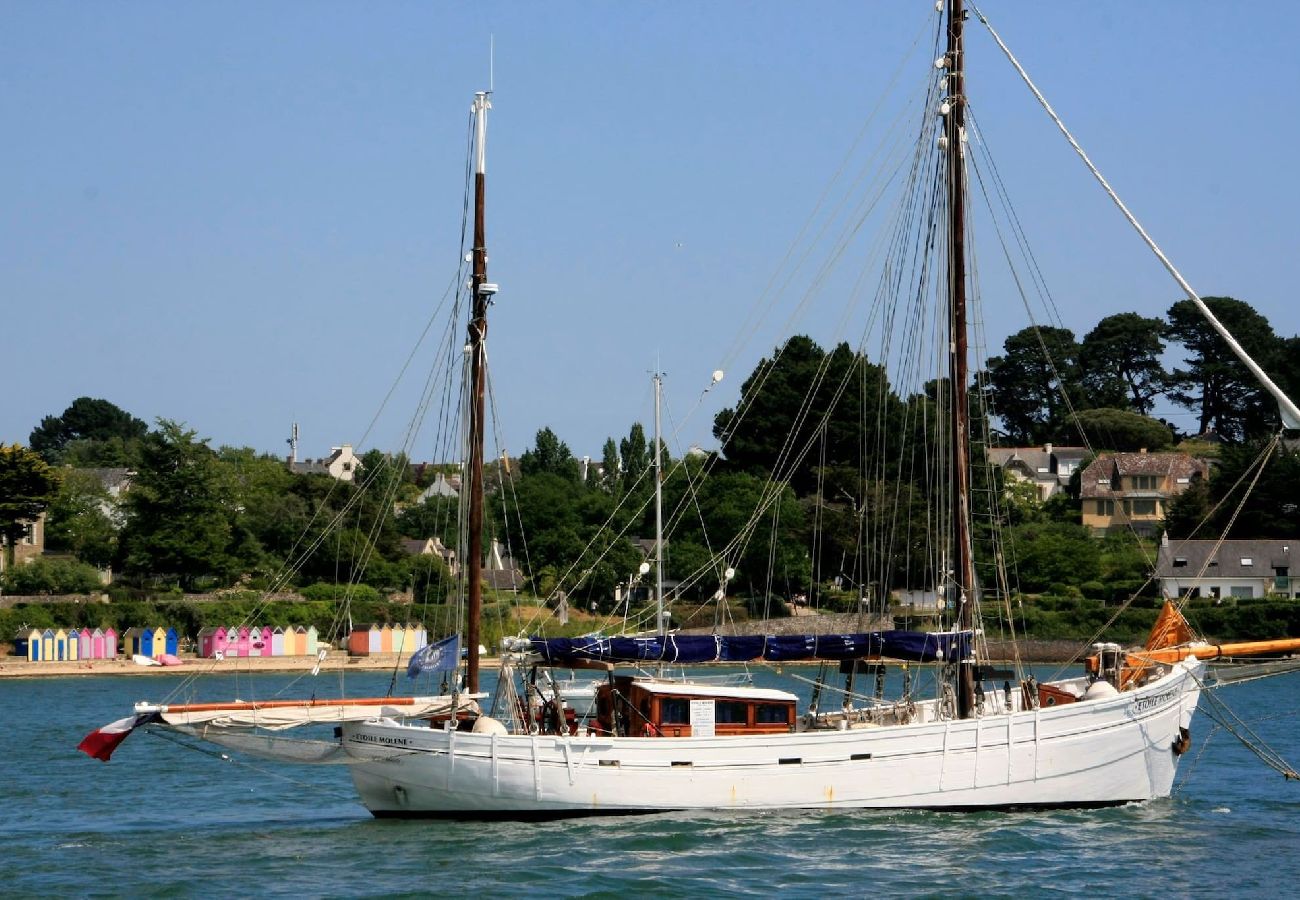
column 701, row 718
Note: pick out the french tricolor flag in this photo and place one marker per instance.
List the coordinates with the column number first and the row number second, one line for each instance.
column 101, row 742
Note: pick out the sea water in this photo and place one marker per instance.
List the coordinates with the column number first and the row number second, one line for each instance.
column 164, row 820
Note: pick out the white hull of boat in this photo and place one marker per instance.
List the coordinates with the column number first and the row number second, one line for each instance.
column 1091, row 753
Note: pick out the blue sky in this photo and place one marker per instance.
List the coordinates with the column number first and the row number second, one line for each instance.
column 239, row 214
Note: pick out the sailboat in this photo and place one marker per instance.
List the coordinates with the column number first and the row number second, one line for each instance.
column 1111, row 735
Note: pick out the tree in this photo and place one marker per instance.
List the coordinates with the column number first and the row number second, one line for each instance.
column 83, row 519
column 549, row 454
column 1215, row 384
column 27, row 485
column 1042, row 555
column 610, row 465
column 179, row 509
column 806, row 410
column 1117, row 429
column 635, row 454
column 1270, row 511
column 1028, row 387
column 52, row 576
column 90, row 420
column 1120, row 362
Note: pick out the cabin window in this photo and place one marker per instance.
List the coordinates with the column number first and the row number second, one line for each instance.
column 1180, row 562
column 674, row 711
column 730, row 712
column 1247, row 561
column 771, row 714
column 1184, row 480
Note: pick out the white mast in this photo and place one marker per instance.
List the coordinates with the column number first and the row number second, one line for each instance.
column 660, row 626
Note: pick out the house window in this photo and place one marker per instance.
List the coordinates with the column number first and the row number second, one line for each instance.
column 1180, row 562
column 1105, row 507
column 1140, row 507
column 1184, row 480
column 1247, row 561
column 1144, row 482
column 1243, row 591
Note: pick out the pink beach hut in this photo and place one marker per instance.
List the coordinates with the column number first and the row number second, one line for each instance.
column 86, row 644
column 97, row 644
column 110, row 643
column 212, row 639
column 267, row 640
column 238, row 641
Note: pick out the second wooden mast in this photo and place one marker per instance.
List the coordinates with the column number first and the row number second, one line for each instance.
column 481, row 292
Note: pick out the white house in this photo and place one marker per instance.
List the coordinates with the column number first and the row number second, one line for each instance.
column 1238, row 569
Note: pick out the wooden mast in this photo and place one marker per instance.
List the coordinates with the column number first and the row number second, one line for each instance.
column 480, row 292
column 963, row 561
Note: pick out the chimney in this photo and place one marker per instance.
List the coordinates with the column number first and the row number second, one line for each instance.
column 1047, row 448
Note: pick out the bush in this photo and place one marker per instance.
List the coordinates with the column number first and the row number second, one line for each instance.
column 360, row 593
column 52, row 576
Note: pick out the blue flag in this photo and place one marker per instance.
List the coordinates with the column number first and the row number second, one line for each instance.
column 441, row 656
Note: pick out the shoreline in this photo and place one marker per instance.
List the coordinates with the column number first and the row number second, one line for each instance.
column 337, row 661
column 1035, row 652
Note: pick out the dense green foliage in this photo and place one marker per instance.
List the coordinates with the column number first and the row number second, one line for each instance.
column 820, row 488
column 90, row 432
column 27, row 485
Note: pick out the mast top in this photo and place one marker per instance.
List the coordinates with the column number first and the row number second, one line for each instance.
column 482, row 103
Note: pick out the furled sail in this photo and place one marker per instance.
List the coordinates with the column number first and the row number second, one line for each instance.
column 915, row 646
column 279, row 715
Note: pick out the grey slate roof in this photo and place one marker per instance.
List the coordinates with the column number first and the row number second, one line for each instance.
column 1263, row 556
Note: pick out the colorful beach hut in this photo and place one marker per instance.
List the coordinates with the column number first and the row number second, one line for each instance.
column 159, row 644
column 136, row 640
column 386, row 638
column 277, row 642
column 366, row 641
column 238, row 641
column 211, row 640
column 110, row 643
column 64, row 649
column 47, row 644
column 293, row 641
column 309, row 639
column 85, row 644
column 34, row 645
column 266, row 639
column 97, row 649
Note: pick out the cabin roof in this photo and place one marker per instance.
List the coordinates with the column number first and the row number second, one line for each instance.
column 713, row 691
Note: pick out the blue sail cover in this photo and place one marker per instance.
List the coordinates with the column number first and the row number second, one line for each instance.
column 916, row 646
